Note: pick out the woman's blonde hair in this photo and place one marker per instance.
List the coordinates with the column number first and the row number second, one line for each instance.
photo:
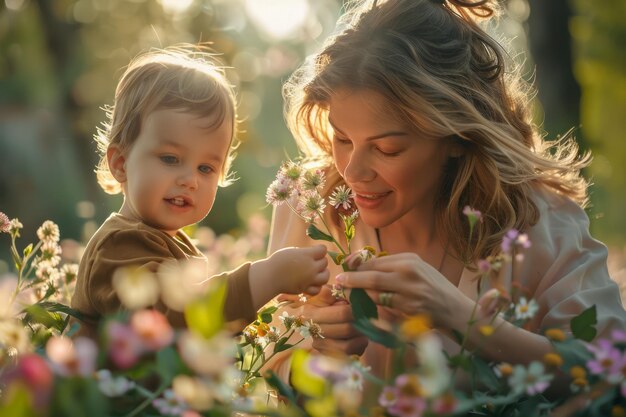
column 443, row 75
column 185, row 77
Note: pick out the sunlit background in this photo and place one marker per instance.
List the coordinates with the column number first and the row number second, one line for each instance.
column 60, row 61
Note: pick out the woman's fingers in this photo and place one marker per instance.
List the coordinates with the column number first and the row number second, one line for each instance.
column 374, row 280
column 353, row 346
column 340, row 331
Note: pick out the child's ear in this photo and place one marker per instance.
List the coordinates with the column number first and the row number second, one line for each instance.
column 117, row 163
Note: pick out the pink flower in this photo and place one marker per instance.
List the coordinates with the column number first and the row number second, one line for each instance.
column 513, row 238
column 388, row 397
column 152, row 328
column 5, row 223
column 408, row 407
column 34, row 372
column 69, row 358
column 606, row 356
column 124, row 345
column 472, row 214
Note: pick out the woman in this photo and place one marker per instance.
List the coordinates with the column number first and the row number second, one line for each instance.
column 411, row 105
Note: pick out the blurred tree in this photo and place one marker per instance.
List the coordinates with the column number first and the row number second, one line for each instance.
column 599, row 33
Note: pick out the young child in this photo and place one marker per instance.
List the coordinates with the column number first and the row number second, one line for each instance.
column 167, row 147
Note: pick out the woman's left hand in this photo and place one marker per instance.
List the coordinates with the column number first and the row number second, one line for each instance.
column 406, row 283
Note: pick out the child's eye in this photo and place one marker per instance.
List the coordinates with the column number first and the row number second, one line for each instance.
column 205, row 169
column 169, row 159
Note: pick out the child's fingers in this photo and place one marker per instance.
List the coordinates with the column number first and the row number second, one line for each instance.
column 313, row 290
column 321, row 264
column 317, row 251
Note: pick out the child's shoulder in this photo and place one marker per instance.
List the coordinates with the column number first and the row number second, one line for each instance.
column 119, row 231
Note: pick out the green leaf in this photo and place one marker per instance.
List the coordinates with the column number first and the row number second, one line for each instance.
column 573, row 352
column 265, row 315
column 336, row 257
column 484, row 373
column 350, row 233
column 206, row 314
column 316, row 234
column 37, row 314
column 61, row 308
column 583, row 325
column 282, row 347
column 27, row 250
column 460, row 361
column 363, row 307
column 169, row 363
column 283, row 389
column 376, row 334
column 78, row 397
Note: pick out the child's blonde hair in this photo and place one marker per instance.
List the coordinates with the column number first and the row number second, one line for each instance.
column 186, row 77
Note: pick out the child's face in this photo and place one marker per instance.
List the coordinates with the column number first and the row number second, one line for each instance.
column 173, row 168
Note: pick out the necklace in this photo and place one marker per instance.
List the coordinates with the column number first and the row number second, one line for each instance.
column 443, row 258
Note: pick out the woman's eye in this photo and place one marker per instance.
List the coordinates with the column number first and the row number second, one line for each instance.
column 340, row 139
column 169, row 159
column 389, row 153
column 205, row 169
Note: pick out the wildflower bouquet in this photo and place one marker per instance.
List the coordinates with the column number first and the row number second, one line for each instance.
column 300, row 188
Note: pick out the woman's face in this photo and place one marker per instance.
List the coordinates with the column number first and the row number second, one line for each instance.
column 395, row 172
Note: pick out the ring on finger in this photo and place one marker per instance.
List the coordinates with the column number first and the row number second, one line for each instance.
column 385, row 299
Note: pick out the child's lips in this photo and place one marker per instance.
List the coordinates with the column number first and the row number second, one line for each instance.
column 180, row 201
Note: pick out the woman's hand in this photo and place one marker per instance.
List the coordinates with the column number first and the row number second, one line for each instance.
column 335, row 319
column 406, row 283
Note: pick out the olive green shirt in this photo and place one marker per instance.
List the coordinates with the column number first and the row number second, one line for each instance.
column 123, row 242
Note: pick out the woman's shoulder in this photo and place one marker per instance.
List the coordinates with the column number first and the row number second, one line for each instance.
column 558, row 215
column 561, row 233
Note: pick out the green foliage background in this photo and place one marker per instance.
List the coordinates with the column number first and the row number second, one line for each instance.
column 60, row 61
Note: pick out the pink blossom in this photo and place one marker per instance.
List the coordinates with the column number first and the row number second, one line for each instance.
column 124, row 345
column 388, row 397
column 606, row 356
column 408, row 407
column 5, row 223
column 152, row 328
column 513, row 238
column 77, row 357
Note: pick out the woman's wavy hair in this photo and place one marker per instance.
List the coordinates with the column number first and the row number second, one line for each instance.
column 183, row 77
column 443, row 75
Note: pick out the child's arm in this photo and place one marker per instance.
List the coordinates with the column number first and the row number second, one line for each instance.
column 289, row 270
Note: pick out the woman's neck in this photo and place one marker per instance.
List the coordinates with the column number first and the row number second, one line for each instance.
column 414, row 232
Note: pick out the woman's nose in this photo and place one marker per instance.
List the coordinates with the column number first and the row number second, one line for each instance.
column 358, row 169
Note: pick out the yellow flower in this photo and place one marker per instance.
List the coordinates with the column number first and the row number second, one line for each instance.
column 580, row 382
column 262, row 329
column 555, row 334
column 553, row 359
column 486, row 330
column 505, row 369
column 578, row 372
column 415, row 326
column 618, row 411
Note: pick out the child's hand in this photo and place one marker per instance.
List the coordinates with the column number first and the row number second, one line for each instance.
column 298, row 270
column 289, row 270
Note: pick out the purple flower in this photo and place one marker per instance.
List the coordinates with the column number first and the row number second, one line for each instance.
column 513, row 238
column 605, row 357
